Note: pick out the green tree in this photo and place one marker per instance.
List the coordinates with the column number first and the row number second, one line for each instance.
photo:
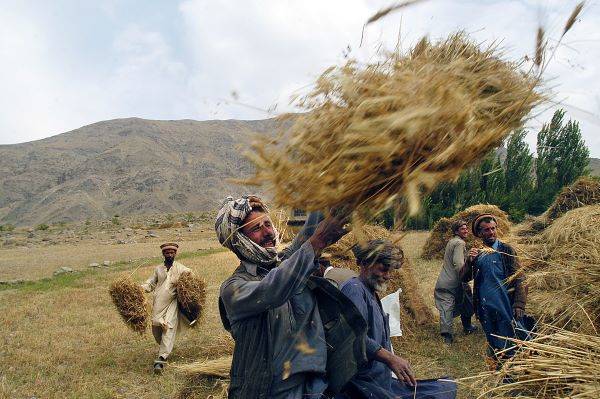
column 562, row 158
column 518, row 174
column 572, row 155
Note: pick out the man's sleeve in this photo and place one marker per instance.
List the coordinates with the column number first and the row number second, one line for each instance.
column 458, row 256
column 243, row 298
column 310, row 225
column 356, row 295
column 520, row 295
column 149, row 285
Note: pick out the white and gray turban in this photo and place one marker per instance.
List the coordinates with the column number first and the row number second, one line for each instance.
column 228, row 226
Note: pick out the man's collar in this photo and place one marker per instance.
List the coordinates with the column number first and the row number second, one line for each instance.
column 250, row 267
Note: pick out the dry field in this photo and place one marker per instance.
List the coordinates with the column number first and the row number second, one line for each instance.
column 39, row 260
column 63, row 338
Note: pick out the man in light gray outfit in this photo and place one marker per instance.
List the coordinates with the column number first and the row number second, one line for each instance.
column 452, row 297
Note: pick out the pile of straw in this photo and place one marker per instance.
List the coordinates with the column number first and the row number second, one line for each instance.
column 564, row 278
column 191, row 296
column 411, row 301
column 441, row 232
column 130, row 302
column 382, row 134
column 554, row 364
column 208, row 368
column 584, row 191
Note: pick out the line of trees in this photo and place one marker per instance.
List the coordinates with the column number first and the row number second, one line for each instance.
column 519, row 184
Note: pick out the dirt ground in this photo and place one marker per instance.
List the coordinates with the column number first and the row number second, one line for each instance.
column 63, row 338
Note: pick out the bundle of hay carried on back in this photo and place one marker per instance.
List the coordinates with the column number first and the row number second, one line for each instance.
column 564, row 278
column 382, row 134
column 554, row 364
column 191, row 296
column 441, row 232
column 411, row 301
column 584, row 191
column 130, row 302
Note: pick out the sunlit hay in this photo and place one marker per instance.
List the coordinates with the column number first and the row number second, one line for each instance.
column 555, row 363
column 567, row 266
column 441, row 232
column 218, row 367
column 220, row 345
column 280, row 218
column 191, row 296
column 584, row 191
column 205, row 376
column 383, row 134
column 130, row 302
column 411, row 300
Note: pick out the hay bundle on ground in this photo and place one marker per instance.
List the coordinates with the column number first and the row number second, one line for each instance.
column 554, row 364
column 441, row 232
column 191, row 295
column 584, row 191
column 411, row 300
column 389, row 131
column 130, row 302
column 208, row 368
column 567, row 270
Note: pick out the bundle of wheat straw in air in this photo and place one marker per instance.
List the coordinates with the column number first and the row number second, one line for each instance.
column 554, row 364
column 191, row 296
column 383, row 133
column 130, row 302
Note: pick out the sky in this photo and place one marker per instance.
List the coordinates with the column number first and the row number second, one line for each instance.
column 68, row 63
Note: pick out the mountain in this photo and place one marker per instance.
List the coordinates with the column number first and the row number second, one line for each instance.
column 125, row 166
column 128, row 167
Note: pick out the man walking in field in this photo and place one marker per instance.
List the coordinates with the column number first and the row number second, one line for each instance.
column 165, row 311
column 377, row 259
column 453, row 297
column 499, row 290
column 280, row 348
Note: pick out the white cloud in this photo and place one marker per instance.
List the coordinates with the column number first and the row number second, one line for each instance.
column 264, row 50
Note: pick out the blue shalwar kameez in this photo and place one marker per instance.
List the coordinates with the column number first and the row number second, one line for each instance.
column 494, row 307
column 375, row 379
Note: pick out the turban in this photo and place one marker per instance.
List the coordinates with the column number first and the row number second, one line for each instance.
column 169, row 245
column 229, row 222
column 480, row 219
column 378, row 251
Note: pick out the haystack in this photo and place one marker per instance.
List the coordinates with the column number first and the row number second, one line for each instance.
column 130, row 302
column 555, row 364
column 385, row 133
column 191, row 296
column 441, row 232
column 584, row 191
column 565, row 277
column 411, row 300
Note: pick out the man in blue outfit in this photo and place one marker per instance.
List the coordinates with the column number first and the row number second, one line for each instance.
column 377, row 259
column 499, row 290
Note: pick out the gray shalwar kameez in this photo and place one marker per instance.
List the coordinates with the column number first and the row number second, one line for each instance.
column 452, row 298
column 295, row 330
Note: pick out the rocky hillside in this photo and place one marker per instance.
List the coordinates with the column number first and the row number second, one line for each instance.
column 124, row 167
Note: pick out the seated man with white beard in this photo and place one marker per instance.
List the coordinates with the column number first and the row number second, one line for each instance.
column 377, row 259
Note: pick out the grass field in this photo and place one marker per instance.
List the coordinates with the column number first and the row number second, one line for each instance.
column 63, row 338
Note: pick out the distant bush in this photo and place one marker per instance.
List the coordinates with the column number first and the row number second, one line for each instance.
column 88, row 222
column 115, row 220
column 42, row 227
column 9, row 227
column 189, row 217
